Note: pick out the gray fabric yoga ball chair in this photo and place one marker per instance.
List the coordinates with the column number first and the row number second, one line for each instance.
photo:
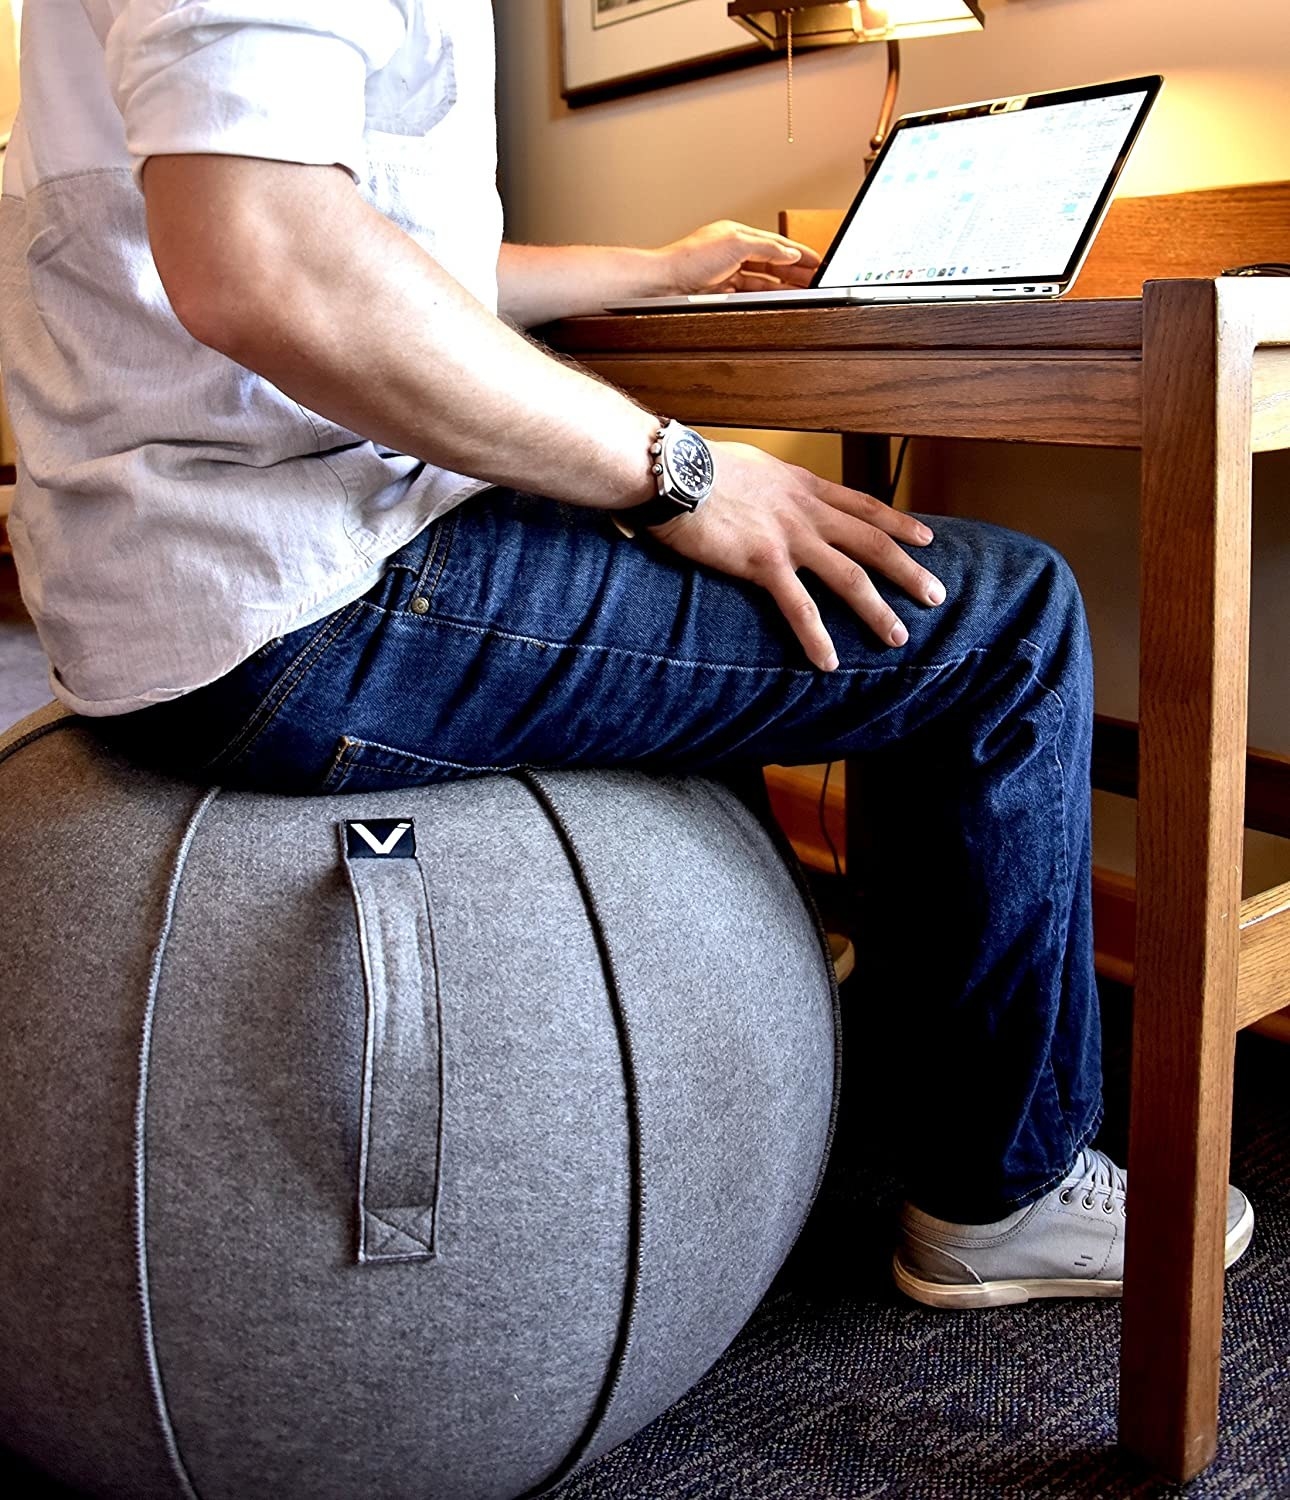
column 335, row 1169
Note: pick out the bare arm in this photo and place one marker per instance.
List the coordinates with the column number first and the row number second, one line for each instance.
column 288, row 271
column 285, row 269
column 537, row 283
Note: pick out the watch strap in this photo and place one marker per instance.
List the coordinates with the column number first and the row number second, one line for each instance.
column 652, row 512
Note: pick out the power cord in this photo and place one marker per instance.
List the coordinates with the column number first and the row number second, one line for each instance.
column 824, row 825
column 899, row 469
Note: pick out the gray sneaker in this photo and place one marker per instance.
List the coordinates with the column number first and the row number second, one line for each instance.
column 1068, row 1244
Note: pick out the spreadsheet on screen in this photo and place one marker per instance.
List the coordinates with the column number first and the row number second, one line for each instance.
column 1004, row 194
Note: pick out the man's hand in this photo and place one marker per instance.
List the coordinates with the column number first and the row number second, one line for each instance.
column 766, row 519
column 730, row 257
column 537, row 283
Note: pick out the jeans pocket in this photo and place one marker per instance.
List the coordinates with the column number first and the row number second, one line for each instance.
column 366, row 766
column 270, row 683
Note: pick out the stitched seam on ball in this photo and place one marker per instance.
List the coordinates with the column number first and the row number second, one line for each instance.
column 156, row 1382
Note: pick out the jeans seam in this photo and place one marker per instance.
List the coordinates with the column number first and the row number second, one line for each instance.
column 487, row 631
column 268, row 708
column 350, row 754
column 1051, row 692
column 341, row 761
column 436, row 558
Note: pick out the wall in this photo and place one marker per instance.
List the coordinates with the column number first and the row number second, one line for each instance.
column 646, row 169
column 661, row 161
column 10, row 15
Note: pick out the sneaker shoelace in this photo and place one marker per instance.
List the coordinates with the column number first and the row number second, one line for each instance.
column 1095, row 1176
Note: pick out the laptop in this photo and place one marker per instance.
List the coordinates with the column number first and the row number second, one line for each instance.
column 992, row 201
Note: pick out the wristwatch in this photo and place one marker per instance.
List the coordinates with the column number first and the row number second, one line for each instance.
column 683, row 470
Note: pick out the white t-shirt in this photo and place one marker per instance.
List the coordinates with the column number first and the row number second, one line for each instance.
column 175, row 511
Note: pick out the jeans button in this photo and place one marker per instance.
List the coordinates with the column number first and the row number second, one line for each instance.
column 420, row 605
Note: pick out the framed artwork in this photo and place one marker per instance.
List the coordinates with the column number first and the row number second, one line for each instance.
column 615, row 47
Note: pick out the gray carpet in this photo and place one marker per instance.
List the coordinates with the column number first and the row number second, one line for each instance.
column 24, row 682
column 838, row 1389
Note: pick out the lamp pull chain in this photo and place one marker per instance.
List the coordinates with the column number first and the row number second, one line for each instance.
column 789, row 20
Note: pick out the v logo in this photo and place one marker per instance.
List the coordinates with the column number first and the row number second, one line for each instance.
column 381, row 839
column 380, row 846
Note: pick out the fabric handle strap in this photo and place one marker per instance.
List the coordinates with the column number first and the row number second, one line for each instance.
column 402, row 1105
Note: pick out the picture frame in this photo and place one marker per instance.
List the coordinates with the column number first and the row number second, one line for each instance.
column 613, row 48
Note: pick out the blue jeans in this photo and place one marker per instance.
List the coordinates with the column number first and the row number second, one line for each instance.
column 517, row 632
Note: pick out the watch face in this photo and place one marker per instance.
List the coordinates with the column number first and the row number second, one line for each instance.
column 691, row 464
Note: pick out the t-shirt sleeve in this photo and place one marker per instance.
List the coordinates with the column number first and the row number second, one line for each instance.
column 280, row 79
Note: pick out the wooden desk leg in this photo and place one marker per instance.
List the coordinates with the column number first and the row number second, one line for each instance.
column 1195, row 576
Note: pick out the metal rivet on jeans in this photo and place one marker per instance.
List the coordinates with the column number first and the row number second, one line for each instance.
column 420, row 605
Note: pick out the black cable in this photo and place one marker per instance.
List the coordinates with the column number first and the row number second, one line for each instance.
column 824, row 827
column 899, row 469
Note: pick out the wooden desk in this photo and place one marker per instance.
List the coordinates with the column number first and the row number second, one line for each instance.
column 1197, row 375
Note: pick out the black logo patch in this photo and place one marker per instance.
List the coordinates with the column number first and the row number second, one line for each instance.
column 381, row 838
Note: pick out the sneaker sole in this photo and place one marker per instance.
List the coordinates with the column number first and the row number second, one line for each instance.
column 994, row 1293
column 1239, row 1236
column 1008, row 1293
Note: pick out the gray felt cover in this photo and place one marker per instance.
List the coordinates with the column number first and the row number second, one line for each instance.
column 431, row 1177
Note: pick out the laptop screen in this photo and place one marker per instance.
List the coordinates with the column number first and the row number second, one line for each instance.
column 1009, row 189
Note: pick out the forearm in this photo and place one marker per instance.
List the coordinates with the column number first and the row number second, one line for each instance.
column 287, row 270
column 537, row 283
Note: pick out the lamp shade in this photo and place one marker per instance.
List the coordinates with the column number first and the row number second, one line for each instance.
column 857, row 21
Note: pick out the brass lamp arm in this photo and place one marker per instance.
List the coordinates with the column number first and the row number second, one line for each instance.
column 888, row 104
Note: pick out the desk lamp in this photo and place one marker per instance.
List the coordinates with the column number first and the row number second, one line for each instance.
column 785, row 26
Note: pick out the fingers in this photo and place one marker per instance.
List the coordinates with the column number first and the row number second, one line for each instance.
column 898, row 523
column 783, row 275
column 867, row 531
column 713, row 257
column 849, row 581
column 775, row 248
column 798, row 275
column 747, row 280
column 857, row 543
column 750, row 279
column 803, row 616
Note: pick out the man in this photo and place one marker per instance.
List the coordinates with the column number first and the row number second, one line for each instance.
column 253, row 275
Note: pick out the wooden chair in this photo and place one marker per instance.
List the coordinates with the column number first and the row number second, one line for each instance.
column 1182, row 235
